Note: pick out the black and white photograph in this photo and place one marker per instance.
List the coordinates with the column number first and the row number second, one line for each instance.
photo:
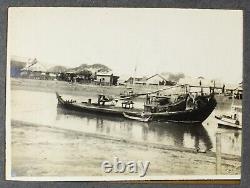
column 110, row 94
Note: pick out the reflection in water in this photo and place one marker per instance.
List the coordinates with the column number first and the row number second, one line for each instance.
column 178, row 131
column 236, row 134
column 156, row 132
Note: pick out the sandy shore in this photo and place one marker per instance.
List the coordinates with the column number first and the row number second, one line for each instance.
column 47, row 151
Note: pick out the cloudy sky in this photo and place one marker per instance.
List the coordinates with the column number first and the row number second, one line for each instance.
column 205, row 43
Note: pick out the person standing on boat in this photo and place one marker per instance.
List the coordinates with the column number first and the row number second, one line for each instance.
column 147, row 99
column 223, row 88
column 190, row 101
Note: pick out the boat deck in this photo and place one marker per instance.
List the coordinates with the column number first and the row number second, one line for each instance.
column 106, row 108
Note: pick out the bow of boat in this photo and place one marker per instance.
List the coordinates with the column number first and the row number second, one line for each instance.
column 59, row 99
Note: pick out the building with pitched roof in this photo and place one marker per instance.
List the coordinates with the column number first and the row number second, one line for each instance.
column 159, row 79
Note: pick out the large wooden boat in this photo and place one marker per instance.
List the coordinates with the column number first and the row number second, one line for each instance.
column 178, row 111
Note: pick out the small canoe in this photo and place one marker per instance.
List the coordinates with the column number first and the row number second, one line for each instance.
column 142, row 118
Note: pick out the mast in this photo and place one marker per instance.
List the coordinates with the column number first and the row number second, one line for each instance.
column 233, row 100
column 134, row 74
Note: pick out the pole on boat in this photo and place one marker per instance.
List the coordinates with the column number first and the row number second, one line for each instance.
column 218, row 153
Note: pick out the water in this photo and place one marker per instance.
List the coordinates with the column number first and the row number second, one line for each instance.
column 41, row 108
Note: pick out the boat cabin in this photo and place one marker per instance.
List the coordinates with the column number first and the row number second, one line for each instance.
column 156, row 103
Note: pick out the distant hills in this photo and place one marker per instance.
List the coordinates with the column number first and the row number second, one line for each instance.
column 92, row 68
column 58, row 69
column 18, row 65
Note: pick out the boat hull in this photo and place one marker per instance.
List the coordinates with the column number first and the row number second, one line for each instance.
column 90, row 108
column 223, row 123
column 191, row 116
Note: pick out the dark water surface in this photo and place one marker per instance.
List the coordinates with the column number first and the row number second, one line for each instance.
column 41, row 108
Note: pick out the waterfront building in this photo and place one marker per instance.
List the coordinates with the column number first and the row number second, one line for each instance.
column 106, row 78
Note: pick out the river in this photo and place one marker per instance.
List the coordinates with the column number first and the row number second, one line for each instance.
column 41, row 108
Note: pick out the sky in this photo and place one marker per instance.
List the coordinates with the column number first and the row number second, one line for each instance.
column 206, row 43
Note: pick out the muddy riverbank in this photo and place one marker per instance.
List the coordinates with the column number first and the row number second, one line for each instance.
column 39, row 150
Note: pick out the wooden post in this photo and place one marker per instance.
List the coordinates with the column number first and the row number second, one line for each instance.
column 218, row 153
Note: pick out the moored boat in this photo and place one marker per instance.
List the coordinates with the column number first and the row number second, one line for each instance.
column 233, row 120
column 194, row 115
column 171, row 112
